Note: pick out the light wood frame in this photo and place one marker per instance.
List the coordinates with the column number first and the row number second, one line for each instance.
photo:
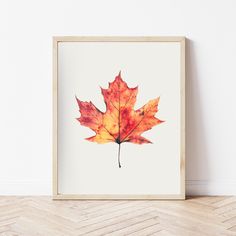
column 56, row 40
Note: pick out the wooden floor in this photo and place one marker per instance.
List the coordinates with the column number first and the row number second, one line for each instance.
column 199, row 216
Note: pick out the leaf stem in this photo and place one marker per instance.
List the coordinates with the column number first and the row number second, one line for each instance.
column 119, row 125
column 119, row 156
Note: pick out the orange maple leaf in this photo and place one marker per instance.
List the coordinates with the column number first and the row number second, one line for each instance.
column 120, row 122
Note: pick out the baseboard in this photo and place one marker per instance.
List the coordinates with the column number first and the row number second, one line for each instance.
column 193, row 187
column 206, row 187
column 36, row 187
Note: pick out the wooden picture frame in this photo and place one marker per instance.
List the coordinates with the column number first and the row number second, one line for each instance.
column 64, row 39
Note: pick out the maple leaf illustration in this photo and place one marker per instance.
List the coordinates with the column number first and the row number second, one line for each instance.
column 120, row 122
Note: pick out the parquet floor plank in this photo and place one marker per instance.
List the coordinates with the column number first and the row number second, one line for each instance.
column 41, row 216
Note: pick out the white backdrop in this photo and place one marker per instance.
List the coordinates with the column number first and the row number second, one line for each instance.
column 26, row 86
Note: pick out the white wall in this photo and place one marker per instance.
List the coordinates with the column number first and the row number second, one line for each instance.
column 26, row 31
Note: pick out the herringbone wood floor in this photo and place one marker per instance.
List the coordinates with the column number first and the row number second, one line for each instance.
column 199, row 216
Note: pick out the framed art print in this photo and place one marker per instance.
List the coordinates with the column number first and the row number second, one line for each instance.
column 118, row 117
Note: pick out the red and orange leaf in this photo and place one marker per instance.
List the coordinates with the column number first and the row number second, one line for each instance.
column 120, row 122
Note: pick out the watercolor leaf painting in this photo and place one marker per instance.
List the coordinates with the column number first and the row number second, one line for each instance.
column 120, row 123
